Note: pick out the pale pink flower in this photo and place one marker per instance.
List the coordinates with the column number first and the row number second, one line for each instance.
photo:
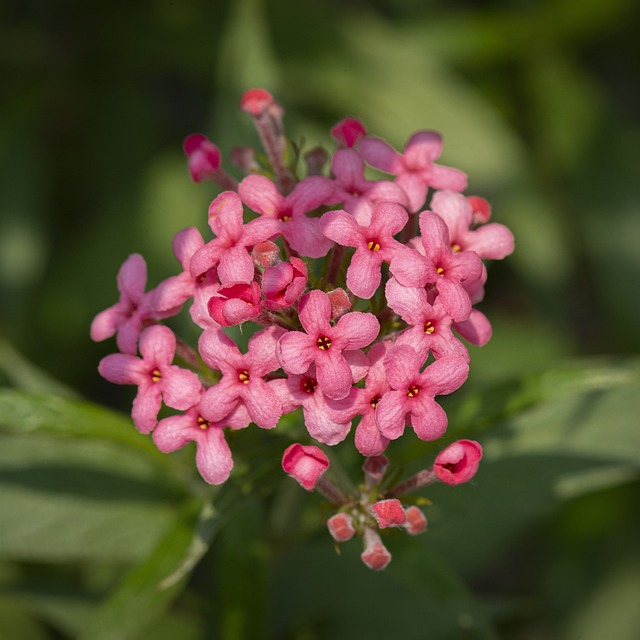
column 491, row 241
column 415, row 168
column 213, row 456
column 411, row 398
column 156, row 377
column 355, row 192
column 229, row 249
column 127, row 317
column 327, row 420
column 289, row 212
column 323, row 343
column 373, row 242
column 430, row 330
column 459, row 462
column 440, row 266
column 305, row 464
column 242, row 375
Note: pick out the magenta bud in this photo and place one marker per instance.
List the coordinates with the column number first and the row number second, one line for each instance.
column 459, row 462
column 305, row 463
column 203, row 156
column 348, row 132
column 416, row 521
column 375, row 555
column 389, row 513
column 316, row 159
column 341, row 527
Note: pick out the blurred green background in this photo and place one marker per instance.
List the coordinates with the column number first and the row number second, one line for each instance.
column 537, row 101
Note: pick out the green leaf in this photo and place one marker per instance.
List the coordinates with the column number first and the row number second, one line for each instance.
column 63, row 499
column 140, row 599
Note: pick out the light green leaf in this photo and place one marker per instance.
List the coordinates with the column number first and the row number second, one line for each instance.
column 140, row 599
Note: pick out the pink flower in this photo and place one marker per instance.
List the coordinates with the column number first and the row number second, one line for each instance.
column 156, row 377
column 128, row 315
column 389, row 513
column 441, row 267
column 430, row 330
column 323, row 344
column 305, row 464
column 256, row 101
column 327, row 420
column 374, row 243
column 283, row 283
column 340, row 527
column 289, row 212
column 357, row 194
column 213, row 456
column 458, row 462
column 368, row 439
column 348, row 132
column 204, row 157
column 415, row 168
column 241, row 381
column 412, row 393
column 228, row 251
column 490, row 241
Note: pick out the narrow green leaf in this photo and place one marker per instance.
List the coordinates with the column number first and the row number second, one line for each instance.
column 140, row 600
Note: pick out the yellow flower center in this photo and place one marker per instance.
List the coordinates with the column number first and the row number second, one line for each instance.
column 428, row 327
column 323, row 343
column 413, row 391
column 373, row 245
column 243, row 376
column 156, row 376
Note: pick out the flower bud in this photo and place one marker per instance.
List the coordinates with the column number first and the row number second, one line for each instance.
column 481, row 209
column 416, row 521
column 458, row 462
column 375, row 555
column 348, row 132
column 388, row 513
column 256, row 101
column 203, row 156
column 375, row 466
column 341, row 527
column 340, row 303
column 266, row 254
column 305, row 463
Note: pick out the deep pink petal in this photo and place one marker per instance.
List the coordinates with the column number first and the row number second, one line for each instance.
column 121, row 368
column 261, row 353
column 175, row 432
column 322, row 427
column 388, row 219
column 158, row 345
column 132, row 277
column 235, row 266
column 411, row 269
column 454, row 299
column 128, row 334
column 422, row 149
column 226, row 216
column 309, row 194
column 185, row 244
column 440, row 177
column 415, row 186
column 445, row 375
column 259, row 230
column 477, row 329
column 493, row 241
column 341, row 227
column 407, row 302
column 305, row 237
column 219, row 351
column 368, row 439
column 402, row 365
column 314, row 312
column 220, row 400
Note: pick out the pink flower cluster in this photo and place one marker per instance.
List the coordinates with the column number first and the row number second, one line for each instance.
column 360, row 291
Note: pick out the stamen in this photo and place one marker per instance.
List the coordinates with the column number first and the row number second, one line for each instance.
column 202, row 423
column 413, row 391
column 428, row 327
column 309, row 385
column 244, row 377
column 373, row 246
column 439, row 271
column 323, row 343
column 456, row 248
column 156, row 376
column 374, row 401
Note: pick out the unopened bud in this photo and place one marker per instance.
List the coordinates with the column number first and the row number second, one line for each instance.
column 340, row 303
column 389, row 513
column 341, row 527
column 416, row 521
column 305, row 464
column 375, row 555
column 459, row 462
column 348, row 132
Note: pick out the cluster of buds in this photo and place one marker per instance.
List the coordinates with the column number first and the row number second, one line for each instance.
column 358, row 289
